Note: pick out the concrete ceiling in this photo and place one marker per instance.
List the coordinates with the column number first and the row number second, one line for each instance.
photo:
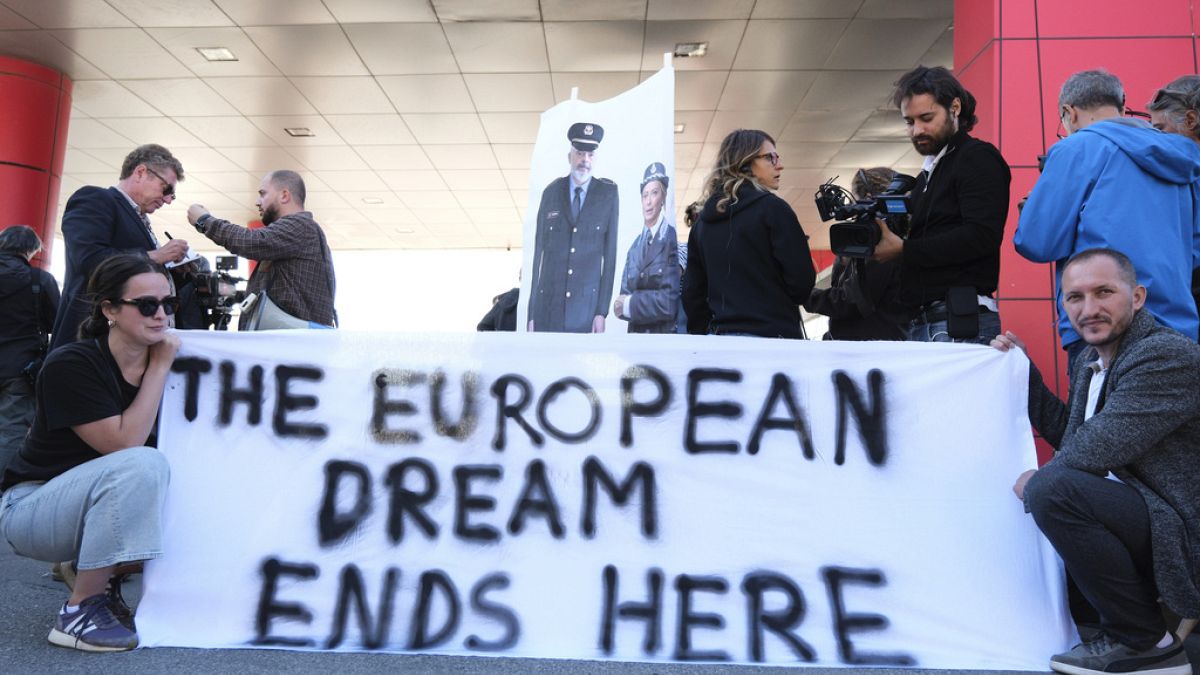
column 425, row 111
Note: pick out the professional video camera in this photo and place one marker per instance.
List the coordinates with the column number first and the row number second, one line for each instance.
column 216, row 292
column 857, row 236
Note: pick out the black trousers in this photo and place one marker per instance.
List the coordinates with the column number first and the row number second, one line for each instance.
column 1101, row 529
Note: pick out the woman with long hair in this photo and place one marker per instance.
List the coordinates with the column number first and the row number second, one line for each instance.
column 749, row 267
column 87, row 485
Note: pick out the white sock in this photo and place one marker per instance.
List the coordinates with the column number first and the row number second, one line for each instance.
column 69, row 608
column 1166, row 641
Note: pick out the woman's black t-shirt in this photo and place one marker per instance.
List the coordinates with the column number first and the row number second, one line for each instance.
column 80, row 383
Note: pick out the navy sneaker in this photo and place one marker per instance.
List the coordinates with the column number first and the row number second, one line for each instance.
column 1105, row 655
column 92, row 628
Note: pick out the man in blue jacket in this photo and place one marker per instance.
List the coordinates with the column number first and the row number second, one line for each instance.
column 1116, row 182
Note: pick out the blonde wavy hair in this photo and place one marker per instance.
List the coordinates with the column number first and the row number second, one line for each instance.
column 732, row 169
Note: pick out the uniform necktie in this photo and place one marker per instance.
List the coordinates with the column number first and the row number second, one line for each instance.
column 576, row 203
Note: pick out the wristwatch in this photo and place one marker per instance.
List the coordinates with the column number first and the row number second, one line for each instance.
column 202, row 222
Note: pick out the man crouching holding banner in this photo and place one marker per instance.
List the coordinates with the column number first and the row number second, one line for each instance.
column 1120, row 500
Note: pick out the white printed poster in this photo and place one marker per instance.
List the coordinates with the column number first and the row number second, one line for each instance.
column 614, row 497
column 600, row 241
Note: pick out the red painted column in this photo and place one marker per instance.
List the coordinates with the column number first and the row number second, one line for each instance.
column 35, row 111
column 1014, row 55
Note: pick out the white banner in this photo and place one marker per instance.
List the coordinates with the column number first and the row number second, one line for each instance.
column 574, row 262
column 668, row 498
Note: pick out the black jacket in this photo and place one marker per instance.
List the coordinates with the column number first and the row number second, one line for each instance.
column 957, row 224
column 503, row 314
column 19, row 323
column 863, row 304
column 748, row 269
column 97, row 224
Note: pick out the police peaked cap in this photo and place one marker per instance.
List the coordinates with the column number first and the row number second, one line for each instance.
column 585, row 136
column 656, row 171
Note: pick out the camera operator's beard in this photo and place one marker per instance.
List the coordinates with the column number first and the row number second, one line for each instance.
column 931, row 144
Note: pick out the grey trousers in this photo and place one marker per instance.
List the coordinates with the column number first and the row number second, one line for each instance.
column 103, row 512
column 16, row 416
column 1101, row 530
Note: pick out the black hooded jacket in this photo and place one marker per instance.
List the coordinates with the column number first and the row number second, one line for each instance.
column 19, row 341
column 749, row 268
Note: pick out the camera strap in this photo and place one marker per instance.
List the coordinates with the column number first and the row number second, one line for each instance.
column 36, row 286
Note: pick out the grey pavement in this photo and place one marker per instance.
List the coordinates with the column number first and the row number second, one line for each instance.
column 30, row 597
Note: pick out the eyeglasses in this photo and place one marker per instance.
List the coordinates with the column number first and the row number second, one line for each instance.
column 772, row 157
column 1062, row 130
column 1129, row 112
column 168, row 189
column 148, row 306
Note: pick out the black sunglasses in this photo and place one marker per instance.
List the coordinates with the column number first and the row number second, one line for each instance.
column 168, row 189
column 148, row 306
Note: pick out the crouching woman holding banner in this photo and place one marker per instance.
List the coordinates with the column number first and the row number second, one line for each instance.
column 88, row 485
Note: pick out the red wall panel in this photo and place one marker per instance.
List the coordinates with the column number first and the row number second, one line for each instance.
column 1111, row 18
column 23, row 196
column 27, row 127
column 978, row 78
column 35, row 109
column 970, row 37
column 1017, row 19
column 1021, row 107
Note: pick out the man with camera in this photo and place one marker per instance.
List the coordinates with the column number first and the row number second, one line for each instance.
column 1116, row 182
column 950, row 263
column 1120, row 499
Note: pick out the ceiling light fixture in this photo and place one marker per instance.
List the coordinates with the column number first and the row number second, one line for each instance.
column 298, row 132
column 372, row 200
column 217, row 53
column 679, row 128
column 688, row 50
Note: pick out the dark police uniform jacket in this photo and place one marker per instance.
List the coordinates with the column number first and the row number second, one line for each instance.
column 651, row 279
column 574, row 262
column 97, row 224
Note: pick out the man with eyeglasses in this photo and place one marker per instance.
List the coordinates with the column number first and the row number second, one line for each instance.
column 99, row 223
column 575, row 245
column 1115, row 182
column 950, row 263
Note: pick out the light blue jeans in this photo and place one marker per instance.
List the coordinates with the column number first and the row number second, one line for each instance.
column 989, row 327
column 103, row 512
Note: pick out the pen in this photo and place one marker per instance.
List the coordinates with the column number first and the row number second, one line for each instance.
column 168, row 234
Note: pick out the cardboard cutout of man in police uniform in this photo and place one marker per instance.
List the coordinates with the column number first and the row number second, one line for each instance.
column 649, row 298
column 575, row 247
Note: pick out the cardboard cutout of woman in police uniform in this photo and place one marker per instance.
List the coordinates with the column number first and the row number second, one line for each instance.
column 649, row 298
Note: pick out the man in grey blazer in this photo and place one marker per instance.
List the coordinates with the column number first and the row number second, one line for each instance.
column 1120, row 499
